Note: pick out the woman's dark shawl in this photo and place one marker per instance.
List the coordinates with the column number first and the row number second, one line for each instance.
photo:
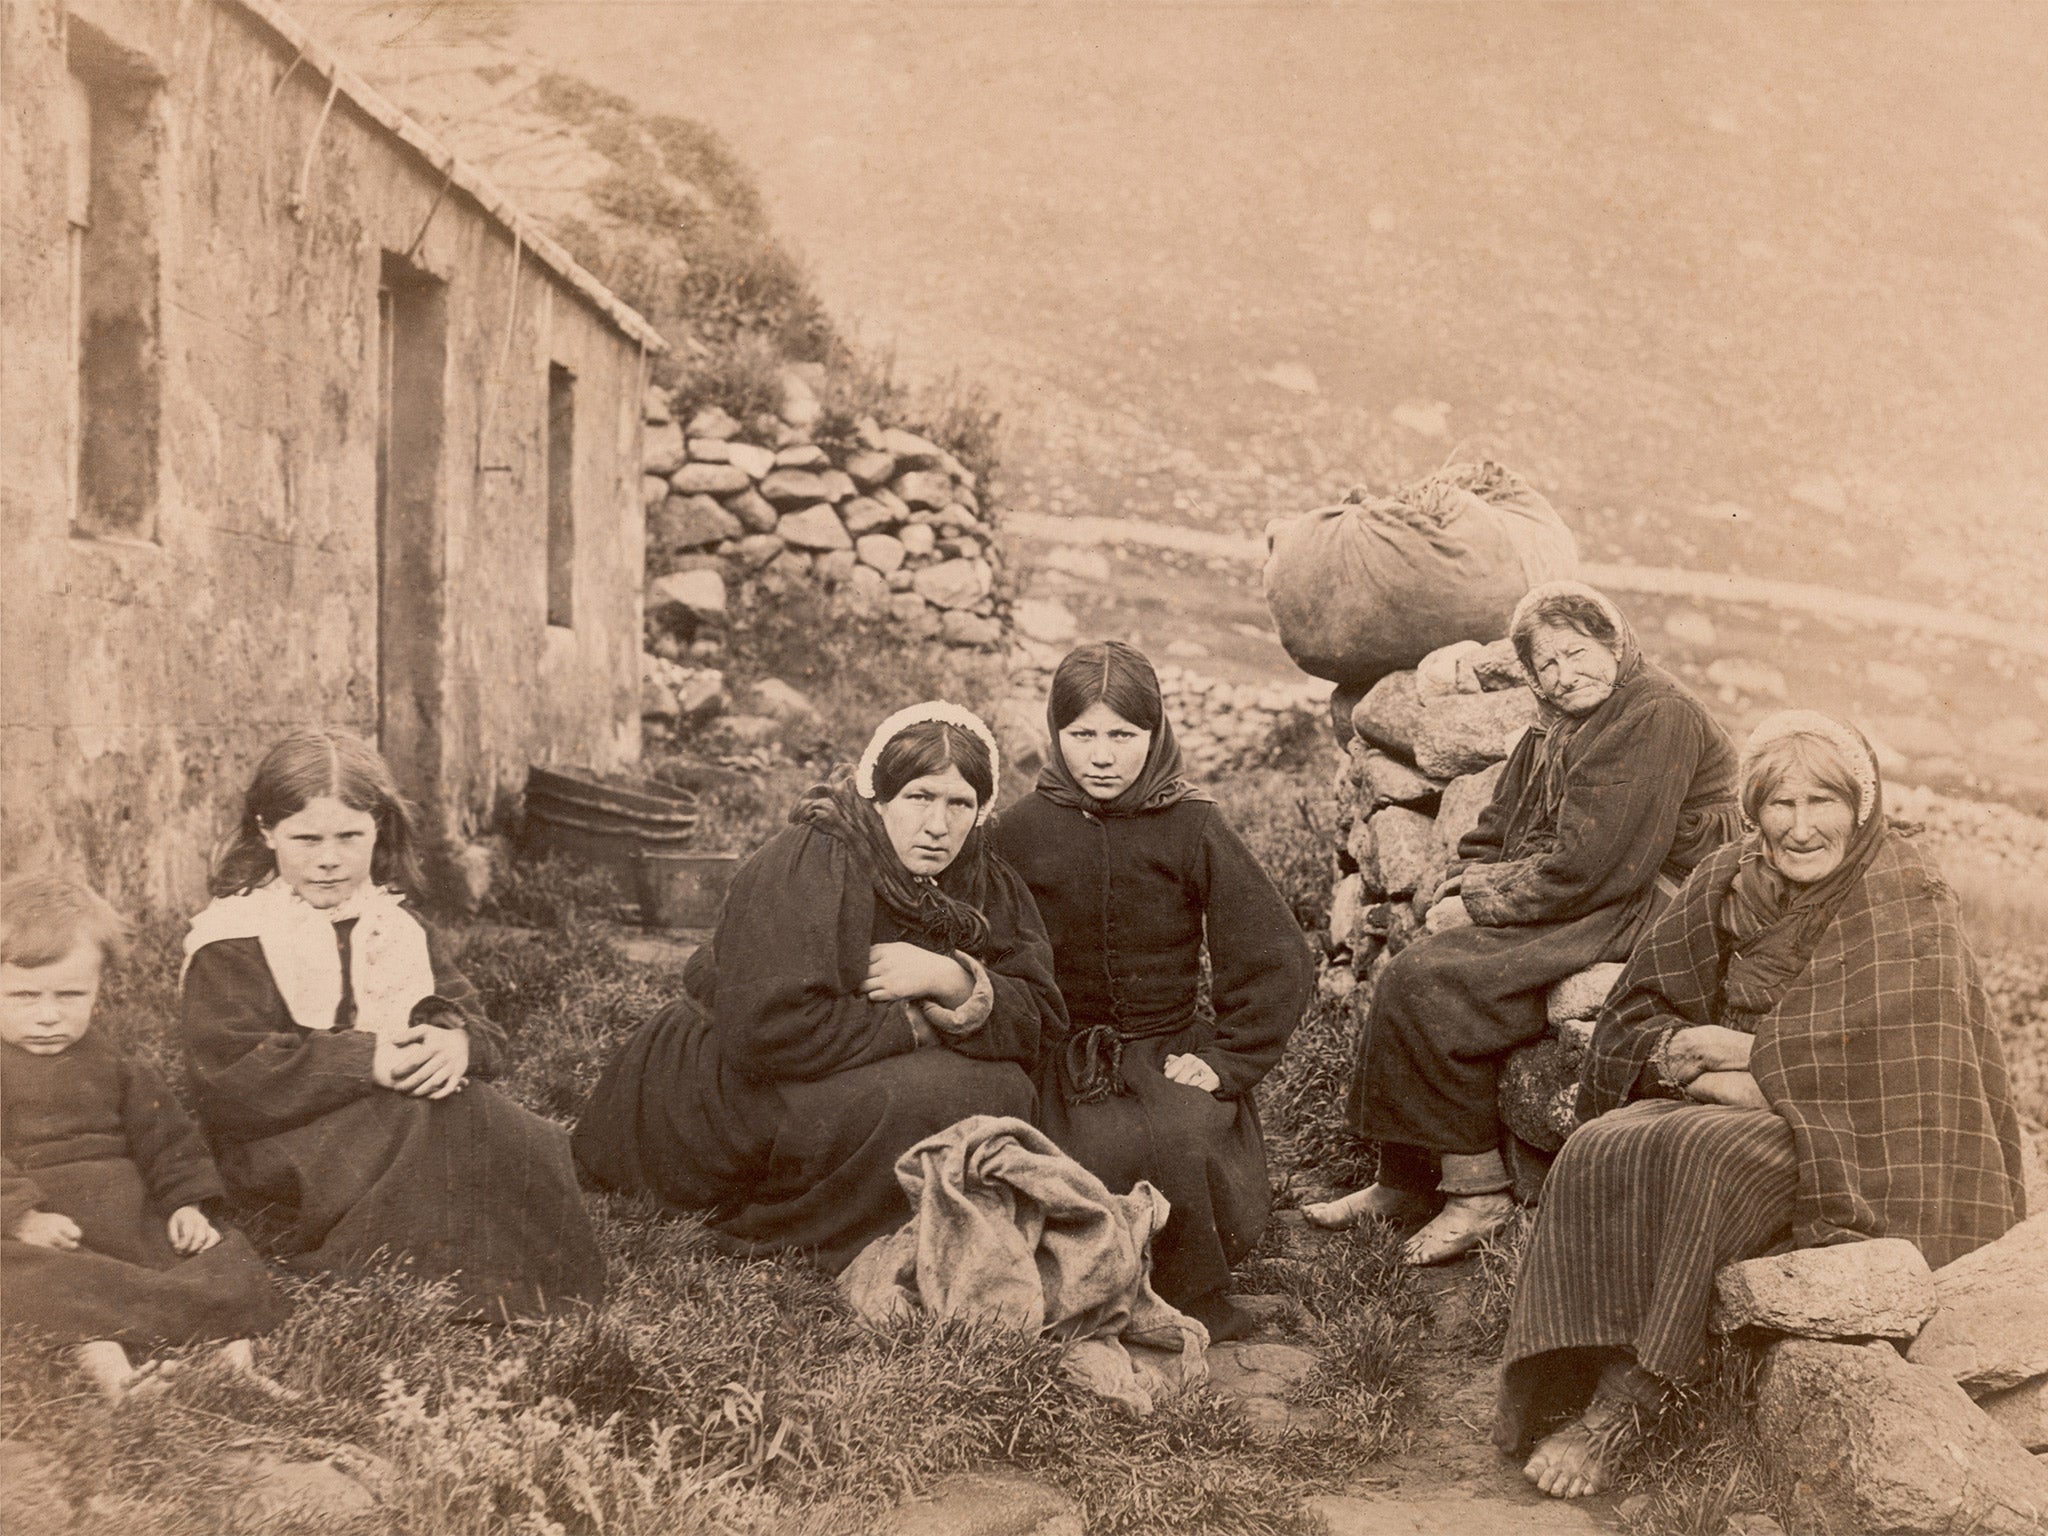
column 1589, row 812
column 1880, row 1055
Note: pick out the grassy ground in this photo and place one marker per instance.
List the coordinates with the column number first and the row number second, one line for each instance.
column 709, row 1393
column 713, row 1394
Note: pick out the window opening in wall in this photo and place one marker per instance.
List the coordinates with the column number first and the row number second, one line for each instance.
column 412, row 364
column 561, row 496
column 111, row 204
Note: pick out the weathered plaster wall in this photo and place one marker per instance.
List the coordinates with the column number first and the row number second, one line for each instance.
column 141, row 680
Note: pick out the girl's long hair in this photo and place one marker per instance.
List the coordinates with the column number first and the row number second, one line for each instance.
column 300, row 769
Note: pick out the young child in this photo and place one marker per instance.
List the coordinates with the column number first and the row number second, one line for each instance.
column 103, row 1177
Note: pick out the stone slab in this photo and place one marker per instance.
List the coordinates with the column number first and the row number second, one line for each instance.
column 1462, row 733
column 987, row 1504
column 1463, row 799
column 1879, row 1446
column 1390, row 714
column 1579, row 996
column 1991, row 1333
column 1452, row 1515
column 1879, row 1289
column 1405, row 847
column 2021, row 1412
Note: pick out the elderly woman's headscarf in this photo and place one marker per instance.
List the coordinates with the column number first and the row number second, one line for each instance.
column 1574, row 605
column 1773, row 923
column 948, row 910
column 1120, row 676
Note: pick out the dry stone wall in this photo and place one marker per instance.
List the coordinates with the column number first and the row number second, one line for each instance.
column 888, row 520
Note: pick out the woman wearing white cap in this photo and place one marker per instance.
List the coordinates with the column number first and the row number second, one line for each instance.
column 877, row 974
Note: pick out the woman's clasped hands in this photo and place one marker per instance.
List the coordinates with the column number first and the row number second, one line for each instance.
column 425, row 1061
column 1711, row 1064
column 909, row 973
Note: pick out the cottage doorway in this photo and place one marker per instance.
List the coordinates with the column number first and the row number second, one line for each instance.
column 412, row 363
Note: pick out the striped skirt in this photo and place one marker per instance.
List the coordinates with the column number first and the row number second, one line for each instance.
column 1641, row 1207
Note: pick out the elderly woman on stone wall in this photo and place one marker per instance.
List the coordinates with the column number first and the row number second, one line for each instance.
column 1605, row 805
column 1797, row 1054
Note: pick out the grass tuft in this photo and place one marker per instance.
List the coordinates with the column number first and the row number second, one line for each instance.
column 1303, row 1099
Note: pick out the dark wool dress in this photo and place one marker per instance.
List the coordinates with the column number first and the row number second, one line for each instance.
column 775, row 1098
column 1128, row 901
column 1556, row 882
column 1890, row 1116
column 472, row 1188
column 97, row 1136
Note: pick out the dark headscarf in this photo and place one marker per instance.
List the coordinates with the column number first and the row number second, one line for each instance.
column 1117, row 669
column 1773, row 923
column 947, row 912
column 1554, row 725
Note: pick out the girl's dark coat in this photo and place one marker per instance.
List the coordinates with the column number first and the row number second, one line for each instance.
column 471, row 1188
column 1128, row 901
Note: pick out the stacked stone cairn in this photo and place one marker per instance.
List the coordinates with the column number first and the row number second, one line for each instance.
column 1897, row 1400
column 1424, row 751
column 888, row 522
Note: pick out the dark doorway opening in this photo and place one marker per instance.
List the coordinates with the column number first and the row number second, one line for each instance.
column 412, row 362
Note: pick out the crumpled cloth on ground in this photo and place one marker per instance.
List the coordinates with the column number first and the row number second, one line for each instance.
column 1008, row 1229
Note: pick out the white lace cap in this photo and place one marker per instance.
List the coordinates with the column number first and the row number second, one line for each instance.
column 917, row 714
column 1811, row 722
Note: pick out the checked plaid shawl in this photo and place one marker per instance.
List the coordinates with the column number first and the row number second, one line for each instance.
column 1881, row 1056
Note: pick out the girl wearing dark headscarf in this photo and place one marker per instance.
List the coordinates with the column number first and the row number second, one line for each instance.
column 877, row 974
column 1621, row 787
column 1799, row 1054
column 1133, row 868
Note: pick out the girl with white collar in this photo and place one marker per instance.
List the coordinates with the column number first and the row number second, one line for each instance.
column 339, row 1060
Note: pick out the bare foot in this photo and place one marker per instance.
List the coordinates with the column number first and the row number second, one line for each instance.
column 1580, row 1458
column 105, row 1364
column 1375, row 1202
column 239, row 1356
column 1566, row 1465
column 1462, row 1225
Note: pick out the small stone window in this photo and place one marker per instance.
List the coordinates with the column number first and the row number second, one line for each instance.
column 111, row 182
column 561, row 496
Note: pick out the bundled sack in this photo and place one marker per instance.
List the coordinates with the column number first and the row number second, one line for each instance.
column 1008, row 1230
column 1375, row 584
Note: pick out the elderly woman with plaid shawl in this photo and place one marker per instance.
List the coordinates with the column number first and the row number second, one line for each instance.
column 1798, row 1054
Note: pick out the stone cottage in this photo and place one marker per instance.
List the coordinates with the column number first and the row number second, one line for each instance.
column 302, row 423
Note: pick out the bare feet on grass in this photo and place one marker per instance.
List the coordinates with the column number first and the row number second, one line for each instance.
column 1462, row 1225
column 1375, row 1202
column 1580, row 1458
column 105, row 1364
column 1565, row 1464
column 239, row 1356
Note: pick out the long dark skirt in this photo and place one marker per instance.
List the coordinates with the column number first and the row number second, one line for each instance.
column 778, row 1166
column 125, row 1282
column 1203, row 1153
column 472, row 1189
column 1446, row 1013
column 1641, row 1207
